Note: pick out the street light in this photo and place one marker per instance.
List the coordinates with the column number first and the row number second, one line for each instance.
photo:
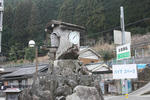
column 32, row 44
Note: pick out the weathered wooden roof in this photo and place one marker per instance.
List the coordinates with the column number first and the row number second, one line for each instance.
column 63, row 25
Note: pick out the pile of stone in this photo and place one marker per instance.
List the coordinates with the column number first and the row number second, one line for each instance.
column 65, row 83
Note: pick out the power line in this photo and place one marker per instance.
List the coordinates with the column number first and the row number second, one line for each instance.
column 117, row 27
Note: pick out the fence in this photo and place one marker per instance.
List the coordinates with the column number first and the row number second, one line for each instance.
column 141, row 60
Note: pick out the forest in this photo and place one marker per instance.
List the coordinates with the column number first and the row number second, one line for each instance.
column 26, row 19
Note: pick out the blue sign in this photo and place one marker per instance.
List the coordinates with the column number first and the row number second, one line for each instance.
column 141, row 66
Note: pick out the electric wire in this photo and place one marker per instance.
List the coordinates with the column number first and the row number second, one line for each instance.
column 117, row 27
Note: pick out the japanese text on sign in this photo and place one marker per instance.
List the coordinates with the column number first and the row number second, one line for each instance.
column 124, row 71
column 123, row 52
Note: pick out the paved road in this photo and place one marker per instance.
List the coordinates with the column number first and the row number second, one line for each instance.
column 130, row 97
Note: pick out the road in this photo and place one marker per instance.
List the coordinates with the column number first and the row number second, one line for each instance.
column 131, row 97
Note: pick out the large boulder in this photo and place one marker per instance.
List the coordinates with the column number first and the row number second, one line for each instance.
column 84, row 93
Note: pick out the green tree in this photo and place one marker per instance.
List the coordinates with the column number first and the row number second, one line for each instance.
column 34, row 28
column 21, row 19
column 13, row 54
column 90, row 13
column 16, row 52
column 67, row 11
column 7, row 29
column 30, row 54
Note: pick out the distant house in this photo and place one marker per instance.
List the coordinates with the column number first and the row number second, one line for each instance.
column 141, row 46
column 99, row 68
column 88, row 55
column 22, row 77
column 105, row 73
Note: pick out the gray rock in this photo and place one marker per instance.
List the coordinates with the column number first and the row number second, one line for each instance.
column 84, row 93
column 67, row 67
column 72, row 83
column 63, row 91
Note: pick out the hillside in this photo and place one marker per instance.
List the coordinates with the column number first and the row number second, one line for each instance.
column 26, row 19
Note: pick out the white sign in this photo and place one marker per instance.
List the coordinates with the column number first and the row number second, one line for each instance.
column 118, row 37
column 123, row 52
column 126, row 71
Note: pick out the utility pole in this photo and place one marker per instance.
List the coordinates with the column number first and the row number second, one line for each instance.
column 123, row 42
column 1, row 21
column 122, row 24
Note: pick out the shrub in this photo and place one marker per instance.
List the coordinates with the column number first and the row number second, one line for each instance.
column 30, row 54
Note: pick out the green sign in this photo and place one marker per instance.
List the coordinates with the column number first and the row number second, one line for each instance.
column 123, row 52
column 123, row 55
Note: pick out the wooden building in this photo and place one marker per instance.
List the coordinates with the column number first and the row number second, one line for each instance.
column 88, row 55
column 22, row 77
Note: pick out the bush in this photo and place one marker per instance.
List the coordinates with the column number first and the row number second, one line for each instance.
column 30, row 54
column 105, row 50
column 13, row 54
column 106, row 55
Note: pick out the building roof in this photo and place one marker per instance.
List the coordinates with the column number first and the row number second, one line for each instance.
column 25, row 71
column 88, row 53
column 54, row 23
column 98, row 68
column 10, row 69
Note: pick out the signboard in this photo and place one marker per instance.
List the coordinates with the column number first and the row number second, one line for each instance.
column 118, row 37
column 126, row 71
column 123, row 52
